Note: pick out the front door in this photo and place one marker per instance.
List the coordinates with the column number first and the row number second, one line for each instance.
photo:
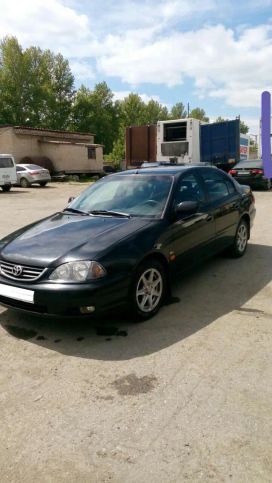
column 191, row 234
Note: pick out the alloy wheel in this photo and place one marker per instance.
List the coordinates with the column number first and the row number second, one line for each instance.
column 149, row 290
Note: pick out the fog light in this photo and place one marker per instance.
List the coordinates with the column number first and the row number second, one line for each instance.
column 87, row 310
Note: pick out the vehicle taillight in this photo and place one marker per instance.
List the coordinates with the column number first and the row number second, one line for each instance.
column 256, row 171
column 33, row 173
column 233, row 172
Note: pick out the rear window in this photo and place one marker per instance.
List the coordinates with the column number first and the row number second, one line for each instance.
column 6, row 163
column 253, row 163
column 33, row 166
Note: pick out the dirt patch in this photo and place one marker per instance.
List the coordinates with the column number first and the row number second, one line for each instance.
column 131, row 385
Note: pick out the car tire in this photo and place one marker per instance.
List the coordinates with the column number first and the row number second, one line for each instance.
column 24, row 183
column 144, row 300
column 6, row 188
column 239, row 246
column 43, row 183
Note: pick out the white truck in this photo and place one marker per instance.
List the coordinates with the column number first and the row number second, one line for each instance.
column 7, row 171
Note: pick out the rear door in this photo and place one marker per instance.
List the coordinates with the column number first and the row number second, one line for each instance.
column 224, row 204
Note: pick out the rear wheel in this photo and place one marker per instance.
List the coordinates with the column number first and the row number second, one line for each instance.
column 24, row 183
column 268, row 185
column 6, row 188
column 43, row 183
column 148, row 290
column 239, row 245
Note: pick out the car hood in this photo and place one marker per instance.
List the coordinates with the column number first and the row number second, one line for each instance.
column 67, row 237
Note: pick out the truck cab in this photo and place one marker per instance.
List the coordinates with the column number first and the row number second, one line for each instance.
column 7, row 171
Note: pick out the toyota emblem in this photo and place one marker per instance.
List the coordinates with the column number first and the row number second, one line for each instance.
column 17, row 270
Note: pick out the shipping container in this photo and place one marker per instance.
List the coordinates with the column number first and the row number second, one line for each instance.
column 141, row 144
column 220, row 143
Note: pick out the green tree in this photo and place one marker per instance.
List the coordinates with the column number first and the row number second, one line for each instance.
column 178, row 111
column 61, row 91
column 243, row 127
column 154, row 112
column 36, row 87
column 220, row 119
column 133, row 110
column 198, row 113
column 13, row 82
column 95, row 111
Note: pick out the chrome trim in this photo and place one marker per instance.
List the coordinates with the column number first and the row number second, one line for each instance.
column 29, row 273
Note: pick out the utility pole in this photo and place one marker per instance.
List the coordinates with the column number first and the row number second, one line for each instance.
column 188, row 110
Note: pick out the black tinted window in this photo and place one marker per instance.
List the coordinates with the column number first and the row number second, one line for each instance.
column 254, row 163
column 189, row 189
column 217, row 184
column 19, row 169
column 6, row 163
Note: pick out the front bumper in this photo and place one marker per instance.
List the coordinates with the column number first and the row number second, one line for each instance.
column 66, row 299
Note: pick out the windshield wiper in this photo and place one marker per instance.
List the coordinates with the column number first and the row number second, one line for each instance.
column 110, row 213
column 74, row 210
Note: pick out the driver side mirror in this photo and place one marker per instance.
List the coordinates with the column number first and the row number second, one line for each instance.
column 189, row 207
column 70, row 199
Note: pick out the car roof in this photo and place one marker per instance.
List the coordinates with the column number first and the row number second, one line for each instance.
column 172, row 170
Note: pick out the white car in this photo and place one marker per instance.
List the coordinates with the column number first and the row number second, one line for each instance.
column 28, row 174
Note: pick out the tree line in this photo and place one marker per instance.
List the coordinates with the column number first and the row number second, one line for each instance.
column 37, row 89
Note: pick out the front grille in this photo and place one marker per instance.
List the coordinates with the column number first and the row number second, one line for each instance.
column 23, row 273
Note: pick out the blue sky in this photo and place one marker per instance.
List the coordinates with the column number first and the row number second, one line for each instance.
column 212, row 54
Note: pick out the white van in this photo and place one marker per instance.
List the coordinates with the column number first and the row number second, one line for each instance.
column 7, row 171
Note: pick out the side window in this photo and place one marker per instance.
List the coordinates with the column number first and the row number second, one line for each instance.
column 189, row 189
column 218, row 186
column 231, row 187
column 6, row 163
column 19, row 169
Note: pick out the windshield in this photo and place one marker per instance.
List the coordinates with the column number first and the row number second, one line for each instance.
column 136, row 195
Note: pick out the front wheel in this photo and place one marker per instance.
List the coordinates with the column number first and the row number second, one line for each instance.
column 43, row 183
column 239, row 246
column 148, row 290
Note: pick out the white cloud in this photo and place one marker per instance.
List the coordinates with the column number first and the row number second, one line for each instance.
column 82, row 70
column 148, row 42
column 219, row 64
column 49, row 24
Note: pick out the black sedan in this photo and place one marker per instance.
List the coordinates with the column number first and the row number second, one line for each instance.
column 251, row 172
column 121, row 241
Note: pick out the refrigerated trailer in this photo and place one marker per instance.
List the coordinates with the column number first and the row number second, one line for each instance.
column 187, row 141
column 178, row 140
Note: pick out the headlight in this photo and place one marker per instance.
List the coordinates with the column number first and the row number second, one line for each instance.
column 78, row 272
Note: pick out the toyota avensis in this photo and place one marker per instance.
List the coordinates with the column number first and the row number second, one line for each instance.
column 121, row 241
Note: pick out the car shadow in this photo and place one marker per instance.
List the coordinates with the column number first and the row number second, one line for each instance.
column 14, row 191
column 214, row 289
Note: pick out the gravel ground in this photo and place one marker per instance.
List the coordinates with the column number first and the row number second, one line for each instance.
column 186, row 396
